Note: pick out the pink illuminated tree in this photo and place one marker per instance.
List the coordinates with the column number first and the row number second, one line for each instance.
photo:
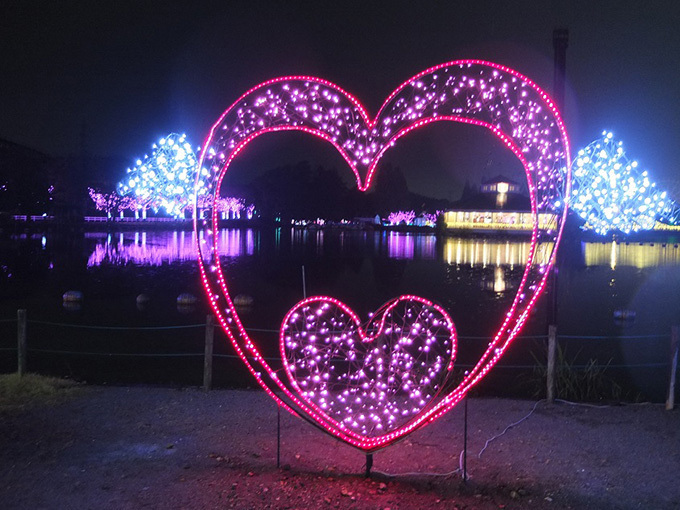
column 401, row 217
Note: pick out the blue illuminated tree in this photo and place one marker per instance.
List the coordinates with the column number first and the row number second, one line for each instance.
column 166, row 179
column 612, row 193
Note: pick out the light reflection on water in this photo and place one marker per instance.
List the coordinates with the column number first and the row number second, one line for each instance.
column 158, row 248
column 154, row 248
column 639, row 255
column 491, row 252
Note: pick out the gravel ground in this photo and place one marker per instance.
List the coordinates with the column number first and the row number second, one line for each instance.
column 148, row 447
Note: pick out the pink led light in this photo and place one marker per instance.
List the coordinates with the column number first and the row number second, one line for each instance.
column 474, row 92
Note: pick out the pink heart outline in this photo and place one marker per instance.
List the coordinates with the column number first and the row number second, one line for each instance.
column 475, row 92
column 313, row 349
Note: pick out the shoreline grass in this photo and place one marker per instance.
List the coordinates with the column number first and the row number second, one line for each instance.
column 29, row 390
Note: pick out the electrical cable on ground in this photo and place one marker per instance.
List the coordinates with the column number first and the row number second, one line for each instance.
column 488, row 441
column 419, row 473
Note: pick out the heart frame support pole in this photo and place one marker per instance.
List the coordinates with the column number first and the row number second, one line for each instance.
column 369, row 464
column 208, row 356
column 304, row 284
column 550, row 368
column 465, row 438
column 278, row 436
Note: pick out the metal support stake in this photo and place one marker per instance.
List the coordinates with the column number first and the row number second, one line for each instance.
column 465, row 437
column 208, row 356
column 552, row 351
column 369, row 464
column 304, row 284
column 278, row 436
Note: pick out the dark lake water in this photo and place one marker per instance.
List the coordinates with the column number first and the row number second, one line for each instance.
column 473, row 278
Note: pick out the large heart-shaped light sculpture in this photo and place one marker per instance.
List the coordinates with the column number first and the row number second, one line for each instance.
column 474, row 92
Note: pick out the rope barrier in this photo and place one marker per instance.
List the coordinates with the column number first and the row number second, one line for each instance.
column 116, row 328
column 277, row 359
column 609, row 337
column 234, row 356
column 276, row 331
column 122, row 354
column 524, row 337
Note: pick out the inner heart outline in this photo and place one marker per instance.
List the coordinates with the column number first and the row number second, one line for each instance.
column 474, row 92
column 372, row 378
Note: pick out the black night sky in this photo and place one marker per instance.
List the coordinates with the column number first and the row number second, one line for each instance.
column 112, row 77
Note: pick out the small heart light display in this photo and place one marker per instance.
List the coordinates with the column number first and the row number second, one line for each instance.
column 374, row 379
column 372, row 384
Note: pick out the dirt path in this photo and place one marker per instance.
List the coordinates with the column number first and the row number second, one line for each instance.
column 144, row 447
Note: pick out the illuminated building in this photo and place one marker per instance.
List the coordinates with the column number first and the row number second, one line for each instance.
column 500, row 205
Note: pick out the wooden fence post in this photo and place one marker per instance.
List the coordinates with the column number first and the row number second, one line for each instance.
column 675, row 346
column 552, row 350
column 21, row 342
column 208, row 357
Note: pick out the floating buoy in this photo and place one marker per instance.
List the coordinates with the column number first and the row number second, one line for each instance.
column 624, row 314
column 142, row 300
column 72, row 300
column 72, row 306
column 186, row 299
column 624, row 317
column 243, row 300
column 72, row 296
column 186, row 303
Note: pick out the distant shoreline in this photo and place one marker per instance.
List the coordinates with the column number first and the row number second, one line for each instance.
column 24, row 223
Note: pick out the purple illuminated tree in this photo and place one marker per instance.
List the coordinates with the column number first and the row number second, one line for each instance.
column 401, row 217
column 108, row 202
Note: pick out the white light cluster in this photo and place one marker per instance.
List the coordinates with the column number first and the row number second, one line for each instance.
column 369, row 380
column 612, row 193
column 167, row 179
